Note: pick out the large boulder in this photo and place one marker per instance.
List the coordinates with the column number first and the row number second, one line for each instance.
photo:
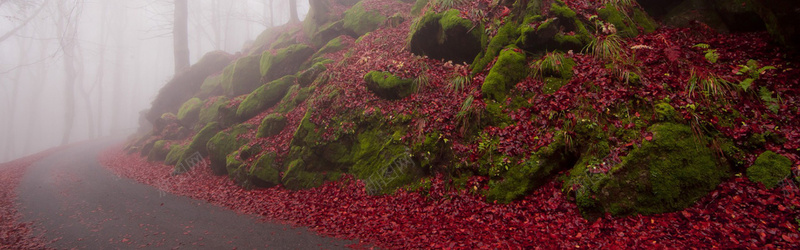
column 358, row 20
column 264, row 97
column 509, row 69
column 287, row 61
column 668, row 173
column 186, row 83
column 222, row 144
column 388, row 86
column 781, row 18
column 446, row 36
column 242, row 76
column 271, row 125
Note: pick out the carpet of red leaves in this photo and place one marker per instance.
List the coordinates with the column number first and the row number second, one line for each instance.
column 14, row 234
column 739, row 214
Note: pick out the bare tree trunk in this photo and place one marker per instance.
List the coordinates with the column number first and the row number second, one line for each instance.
column 25, row 22
column 11, row 149
column 67, row 25
column 120, row 24
column 85, row 94
column 33, row 103
column 293, row 11
column 180, row 35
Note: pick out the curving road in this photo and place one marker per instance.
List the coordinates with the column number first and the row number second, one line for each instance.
column 76, row 203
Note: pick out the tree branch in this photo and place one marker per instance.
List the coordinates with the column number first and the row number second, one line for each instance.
column 31, row 17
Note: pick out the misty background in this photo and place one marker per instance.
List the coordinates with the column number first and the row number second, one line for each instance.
column 121, row 53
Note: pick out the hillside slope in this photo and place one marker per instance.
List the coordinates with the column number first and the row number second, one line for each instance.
column 627, row 117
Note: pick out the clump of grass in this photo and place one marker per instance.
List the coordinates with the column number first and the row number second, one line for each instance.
column 607, row 48
column 467, row 114
column 420, row 82
column 710, row 84
column 461, row 78
column 550, row 63
column 447, row 4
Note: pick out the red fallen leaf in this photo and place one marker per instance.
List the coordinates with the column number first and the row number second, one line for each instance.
column 649, row 137
column 788, row 238
column 686, row 214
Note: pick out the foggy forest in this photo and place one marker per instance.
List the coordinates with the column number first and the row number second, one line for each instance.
column 399, row 124
column 77, row 70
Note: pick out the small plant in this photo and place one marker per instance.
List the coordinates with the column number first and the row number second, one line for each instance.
column 448, row 4
column 460, row 79
column 773, row 104
column 420, row 82
column 607, row 48
column 467, row 114
column 753, row 72
column 711, row 54
column 550, row 63
column 710, row 84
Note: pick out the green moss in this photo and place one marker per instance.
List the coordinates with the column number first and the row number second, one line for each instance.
column 665, row 112
column 561, row 10
column 283, row 62
column 265, row 170
column 210, row 84
column 553, row 84
column 308, row 76
column 296, row 178
column 175, row 153
column 211, row 113
column 159, row 151
column 668, row 173
column 418, row 6
column 264, row 97
column 333, row 45
column 627, row 25
column 242, row 76
column 505, row 36
column 382, row 163
column 770, row 169
column 388, row 86
column 271, row 125
column 222, row 144
column 446, row 36
column 189, row 111
column 509, row 69
column 360, row 21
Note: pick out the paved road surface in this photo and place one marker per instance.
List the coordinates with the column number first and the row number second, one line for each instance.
column 80, row 204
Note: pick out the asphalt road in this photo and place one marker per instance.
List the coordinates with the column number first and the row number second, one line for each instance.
column 75, row 202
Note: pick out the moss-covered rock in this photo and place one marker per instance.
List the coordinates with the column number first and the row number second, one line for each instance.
column 770, row 169
column 283, row 62
column 264, row 97
column 265, row 172
column 196, row 149
column 627, row 24
column 668, row 173
column 271, row 125
column 562, row 32
column 419, row 5
column 665, row 112
column 159, row 151
column 222, row 144
column 387, row 86
column 446, row 36
column 509, row 69
column 360, row 21
column 382, row 163
column 242, row 76
column 186, row 84
column 189, row 111
column 211, row 112
column 211, row 86
column 506, row 35
column 308, row 76
column 175, row 153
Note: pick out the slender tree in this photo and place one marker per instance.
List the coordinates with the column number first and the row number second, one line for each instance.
column 293, row 11
column 25, row 21
column 180, row 35
column 67, row 24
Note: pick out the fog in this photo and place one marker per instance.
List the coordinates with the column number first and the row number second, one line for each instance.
column 119, row 53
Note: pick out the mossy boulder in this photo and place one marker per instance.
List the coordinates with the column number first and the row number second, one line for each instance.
column 509, row 69
column 210, row 113
column 665, row 112
column 446, row 36
column 175, row 153
column 186, row 84
column 211, row 86
column 192, row 155
column 265, row 171
column 627, row 22
column 189, row 112
column 271, row 125
column 264, row 97
column 242, row 76
column 668, row 173
column 562, row 32
column 308, row 76
column 770, row 169
column 388, row 86
column 283, row 62
column 159, row 151
column 222, row 144
column 506, row 35
column 382, row 162
column 359, row 21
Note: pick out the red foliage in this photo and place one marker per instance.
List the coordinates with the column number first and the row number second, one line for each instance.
column 739, row 213
column 14, row 234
